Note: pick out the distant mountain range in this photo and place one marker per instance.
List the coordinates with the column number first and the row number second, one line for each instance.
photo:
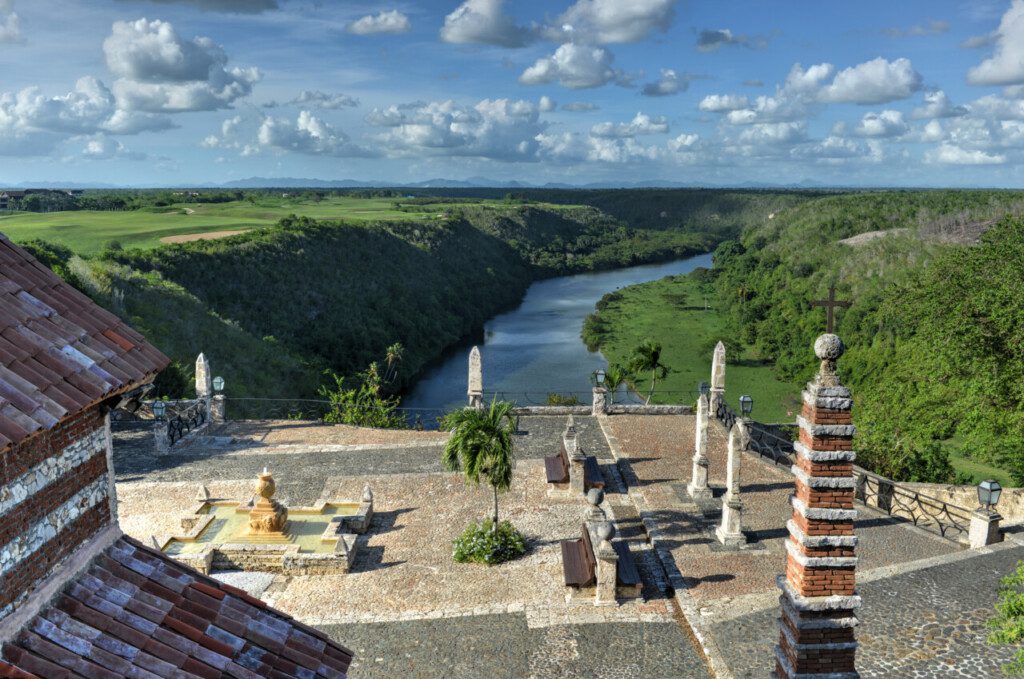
column 438, row 183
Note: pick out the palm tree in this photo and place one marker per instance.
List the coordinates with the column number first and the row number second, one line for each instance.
column 392, row 357
column 480, row 444
column 614, row 376
column 646, row 357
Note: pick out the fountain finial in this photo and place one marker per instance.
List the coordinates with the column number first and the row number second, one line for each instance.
column 268, row 516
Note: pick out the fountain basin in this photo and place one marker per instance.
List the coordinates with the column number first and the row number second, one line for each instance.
column 317, row 540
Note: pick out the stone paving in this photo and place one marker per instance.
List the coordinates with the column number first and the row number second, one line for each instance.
column 410, row 611
column 916, row 622
column 405, row 600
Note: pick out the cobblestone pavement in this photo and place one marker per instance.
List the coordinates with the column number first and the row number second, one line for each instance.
column 503, row 646
column 917, row 625
column 656, row 451
column 301, row 468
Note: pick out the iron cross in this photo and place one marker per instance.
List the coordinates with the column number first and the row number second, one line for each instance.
column 830, row 305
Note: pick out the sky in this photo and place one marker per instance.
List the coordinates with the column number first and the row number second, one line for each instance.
column 170, row 92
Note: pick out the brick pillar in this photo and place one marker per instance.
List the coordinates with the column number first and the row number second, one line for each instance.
column 818, row 591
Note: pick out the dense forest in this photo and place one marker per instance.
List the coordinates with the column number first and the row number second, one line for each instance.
column 935, row 333
column 276, row 307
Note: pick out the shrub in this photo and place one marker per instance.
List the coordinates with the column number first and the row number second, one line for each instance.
column 480, row 543
column 555, row 399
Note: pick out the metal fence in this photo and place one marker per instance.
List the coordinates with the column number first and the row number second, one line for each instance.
column 182, row 420
column 937, row 516
column 316, row 410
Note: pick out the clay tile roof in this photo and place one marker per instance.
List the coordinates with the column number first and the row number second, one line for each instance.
column 135, row 612
column 60, row 353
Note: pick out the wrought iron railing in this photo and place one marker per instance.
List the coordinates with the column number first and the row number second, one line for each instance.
column 937, row 516
column 770, row 445
column 725, row 414
column 180, row 421
column 316, row 410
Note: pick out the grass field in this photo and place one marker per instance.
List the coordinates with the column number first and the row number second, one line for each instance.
column 670, row 311
column 87, row 232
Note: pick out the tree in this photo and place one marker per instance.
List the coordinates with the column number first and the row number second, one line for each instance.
column 647, row 357
column 1008, row 623
column 392, row 358
column 614, row 376
column 480, row 444
column 363, row 405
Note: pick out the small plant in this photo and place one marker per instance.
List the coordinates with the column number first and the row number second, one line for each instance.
column 563, row 399
column 480, row 543
column 1008, row 624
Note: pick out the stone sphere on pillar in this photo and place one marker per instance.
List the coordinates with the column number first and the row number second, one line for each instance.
column 829, row 347
column 595, row 496
column 606, row 531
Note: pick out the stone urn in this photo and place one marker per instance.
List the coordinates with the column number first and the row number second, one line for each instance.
column 268, row 516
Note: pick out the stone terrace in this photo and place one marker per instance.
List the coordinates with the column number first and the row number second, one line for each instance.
column 406, row 608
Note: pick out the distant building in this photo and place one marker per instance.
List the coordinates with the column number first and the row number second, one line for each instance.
column 8, row 198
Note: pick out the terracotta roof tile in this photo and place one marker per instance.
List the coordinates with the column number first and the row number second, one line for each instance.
column 123, row 617
column 68, row 352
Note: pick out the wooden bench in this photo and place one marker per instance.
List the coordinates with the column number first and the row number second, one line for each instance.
column 627, row 577
column 556, row 467
column 578, row 561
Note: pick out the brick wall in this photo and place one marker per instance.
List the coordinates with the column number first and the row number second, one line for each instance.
column 54, row 495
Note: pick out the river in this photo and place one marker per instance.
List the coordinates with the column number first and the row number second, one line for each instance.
column 536, row 348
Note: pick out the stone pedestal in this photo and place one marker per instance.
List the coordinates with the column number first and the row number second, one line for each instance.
column 161, row 444
column 217, row 409
column 576, row 457
column 204, row 382
column 698, row 486
column 819, row 597
column 984, row 528
column 600, row 406
column 607, row 566
column 730, row 532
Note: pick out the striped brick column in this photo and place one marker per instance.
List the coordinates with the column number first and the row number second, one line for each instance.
column 819, row 595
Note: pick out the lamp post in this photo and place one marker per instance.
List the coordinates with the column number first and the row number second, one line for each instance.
column 704, row 388
column 159, row 409
column 599, row 405
column 217, row 404
column 984, row 520
column 746, row 405
column 988, row 493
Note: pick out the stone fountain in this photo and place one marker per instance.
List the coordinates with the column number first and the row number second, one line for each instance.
column 265, row 535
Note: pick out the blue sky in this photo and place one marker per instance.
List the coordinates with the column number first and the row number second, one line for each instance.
column 150, row 92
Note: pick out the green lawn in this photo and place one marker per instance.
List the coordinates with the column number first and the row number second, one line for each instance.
column 670, row 311
column 86, row 232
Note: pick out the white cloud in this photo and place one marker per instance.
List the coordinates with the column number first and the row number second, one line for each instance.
column 831, row 148
column 321, row 100
column 482, row 21
column 580, row 107
column 873, row 82
column 641, row 124
column 931, row 27
column 998, row 108
column 574, row 66
column 105, row 148
column 773, row 133
column 978, row 41
column 10, row 23
column 612, row 21
column 938, row 105
column 948, row 154
column 498, row 129
column 572, row 147
column 711, row 40
column 888, row 123
column 161, row 72
column 308, row 135
column 669, row 83
column 1006, row 65
column 546, row 104
column 792, row 101
column 721, row 103
column 933, row 132
column 384, row 22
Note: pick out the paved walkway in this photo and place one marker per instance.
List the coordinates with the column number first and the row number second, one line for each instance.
column 916, row 621
column 405, row 601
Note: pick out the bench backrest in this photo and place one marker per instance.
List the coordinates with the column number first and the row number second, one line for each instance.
column 588, row 551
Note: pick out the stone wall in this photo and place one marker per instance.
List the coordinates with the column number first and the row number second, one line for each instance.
column 54, row 495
